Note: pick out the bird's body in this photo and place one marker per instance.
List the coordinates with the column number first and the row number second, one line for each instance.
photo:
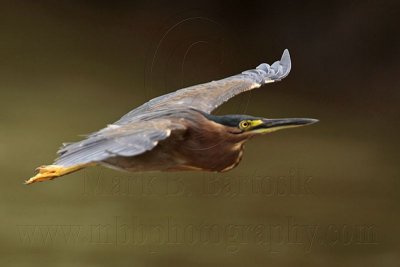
column 210, row 148
column 177, row 132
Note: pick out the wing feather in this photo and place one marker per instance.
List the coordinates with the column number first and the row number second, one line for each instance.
column 208, row 96
column 125, row 140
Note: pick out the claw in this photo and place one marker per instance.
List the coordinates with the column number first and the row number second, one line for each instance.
column 49, row 172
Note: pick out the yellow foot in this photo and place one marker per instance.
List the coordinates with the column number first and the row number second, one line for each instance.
column 49, row 172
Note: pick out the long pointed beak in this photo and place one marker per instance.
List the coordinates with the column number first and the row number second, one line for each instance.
column 271, row 125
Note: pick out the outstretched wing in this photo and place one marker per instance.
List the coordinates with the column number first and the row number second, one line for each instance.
column 208, row 96
column 118, row 140
column 125, row 138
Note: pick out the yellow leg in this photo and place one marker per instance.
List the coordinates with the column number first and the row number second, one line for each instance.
column 49, row 172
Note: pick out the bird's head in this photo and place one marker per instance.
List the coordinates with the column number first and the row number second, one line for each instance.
column 250, row 125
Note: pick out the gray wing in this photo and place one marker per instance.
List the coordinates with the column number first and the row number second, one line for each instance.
column 208, row 96
column 117, row 140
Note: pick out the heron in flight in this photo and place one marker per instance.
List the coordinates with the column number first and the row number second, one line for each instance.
column 177, row 131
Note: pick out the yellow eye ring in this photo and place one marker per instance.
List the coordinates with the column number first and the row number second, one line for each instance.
column 244, row 125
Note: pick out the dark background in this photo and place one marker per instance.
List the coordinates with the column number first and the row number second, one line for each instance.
column 71, row 67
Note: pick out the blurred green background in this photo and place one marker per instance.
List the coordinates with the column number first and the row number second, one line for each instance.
column 324, row 195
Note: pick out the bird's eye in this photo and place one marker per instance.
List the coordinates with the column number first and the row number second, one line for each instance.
column 244, row 125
